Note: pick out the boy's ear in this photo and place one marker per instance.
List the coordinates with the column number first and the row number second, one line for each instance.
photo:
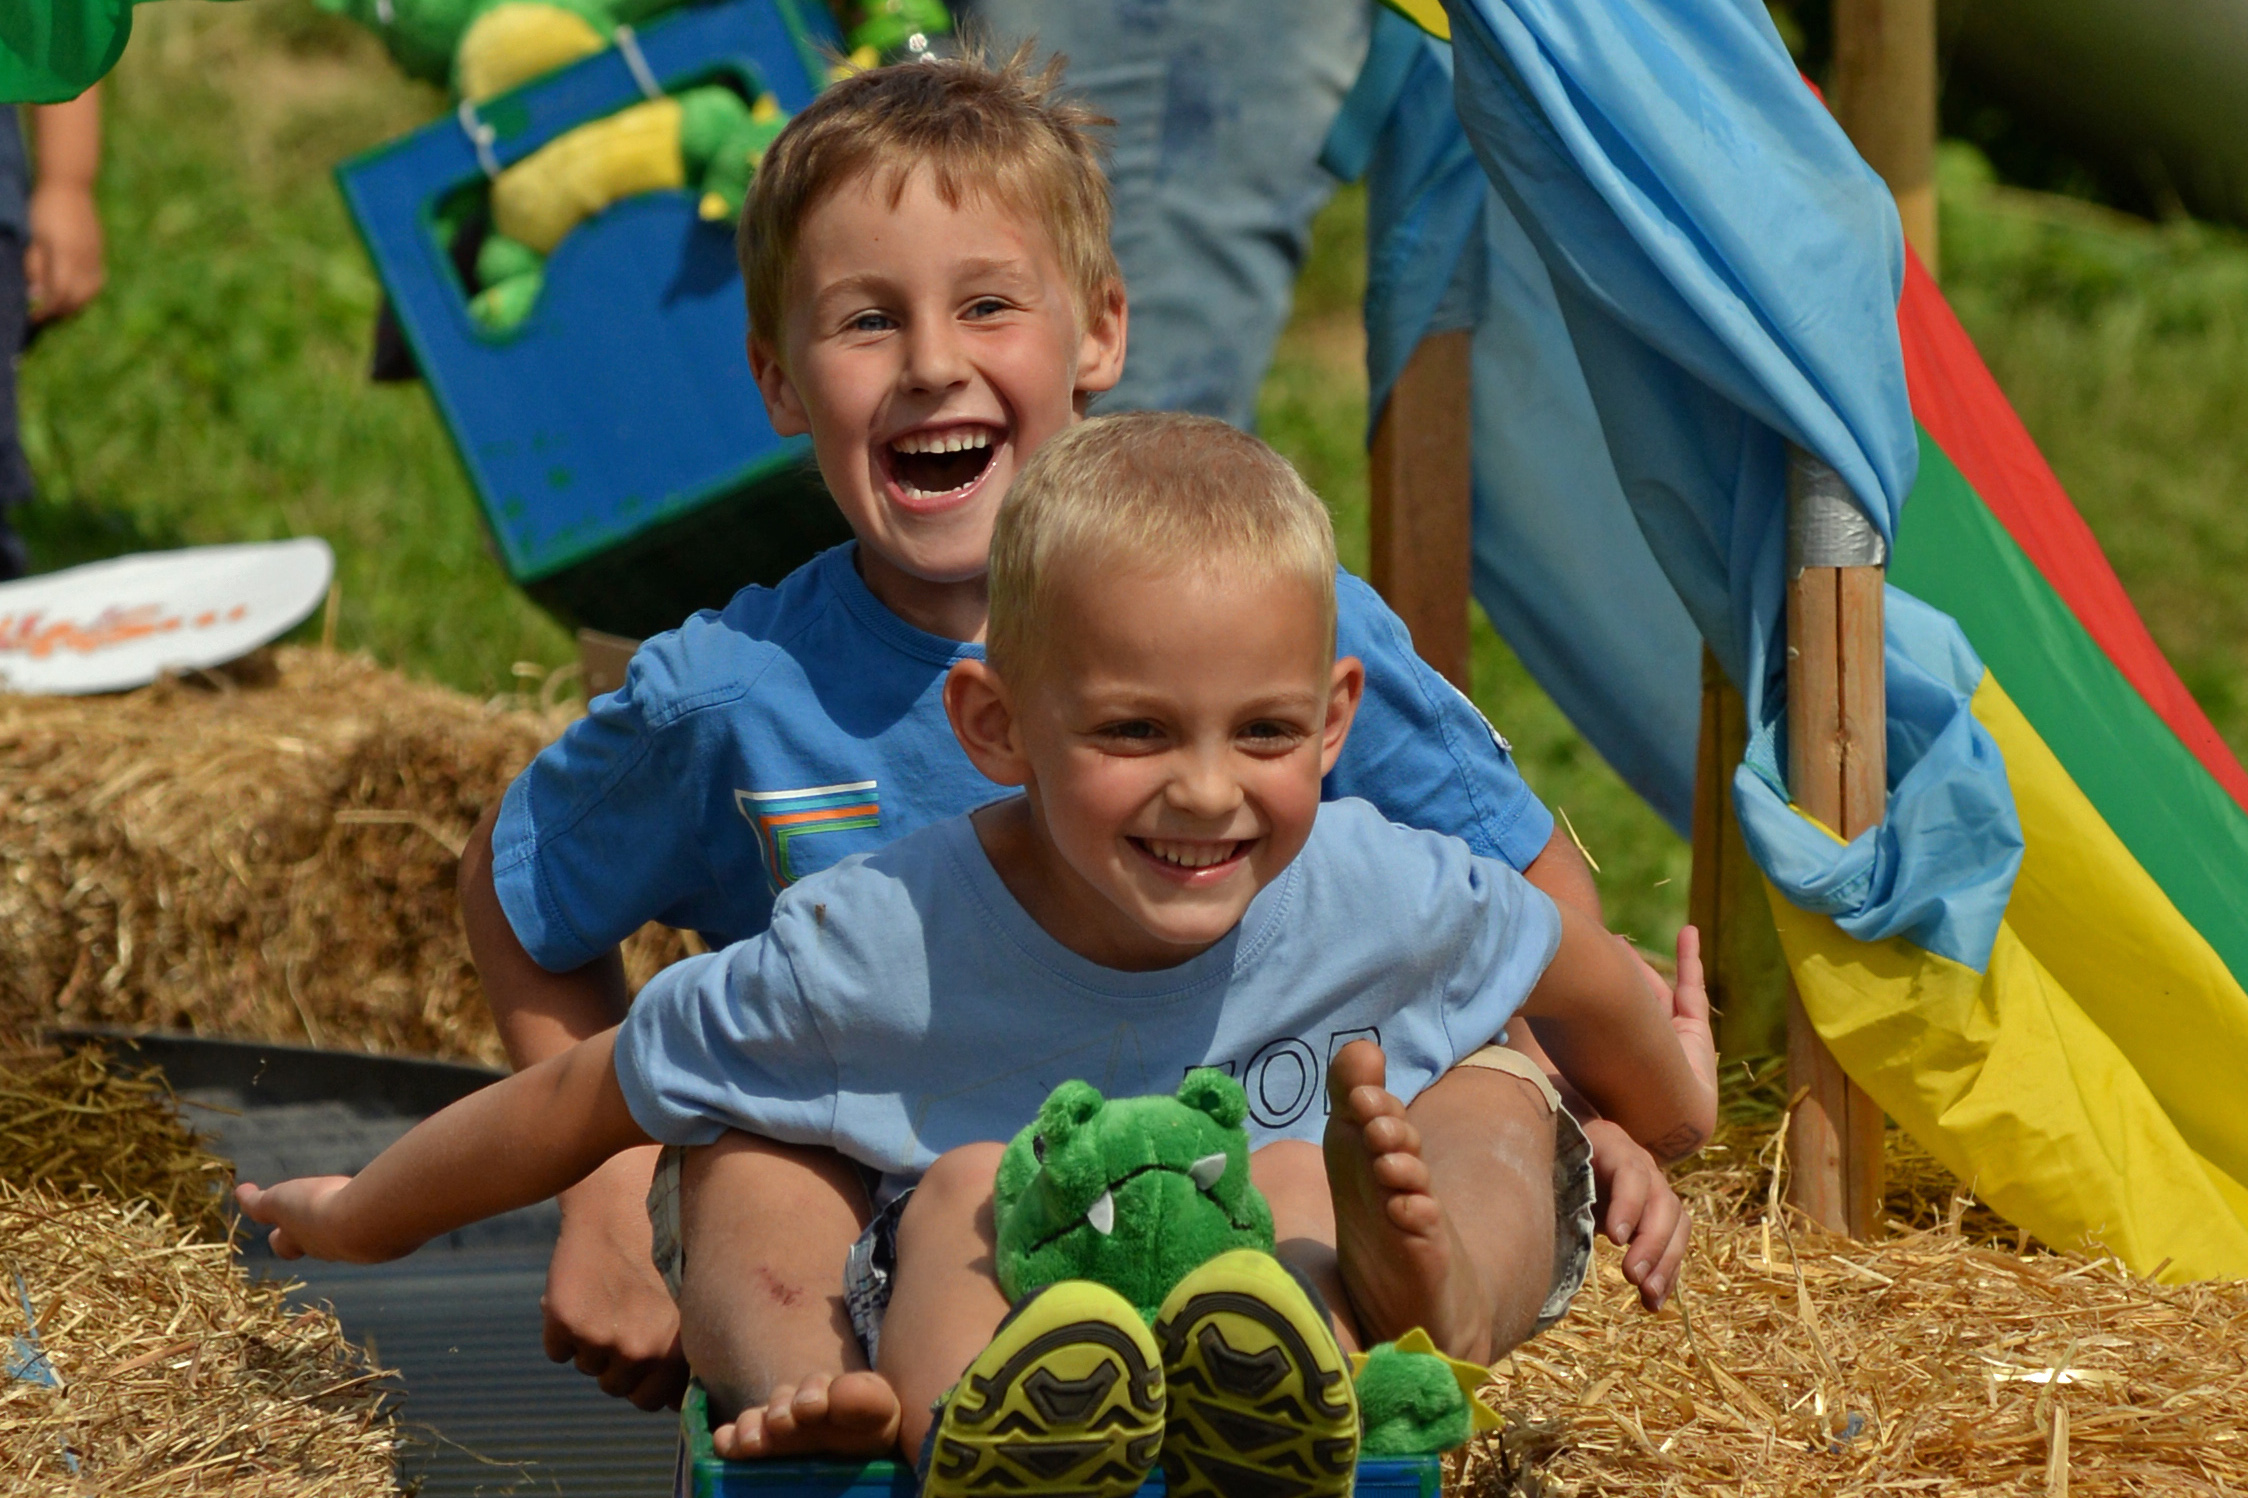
column 1346, row 687
column 1100, row 350
column 983, row 720
column 784, row 408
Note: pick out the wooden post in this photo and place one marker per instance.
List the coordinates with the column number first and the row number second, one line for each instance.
column 1422, row 492
column 602, row 659
column 1726, row 902
column 1837, row 773
column 1883, row 90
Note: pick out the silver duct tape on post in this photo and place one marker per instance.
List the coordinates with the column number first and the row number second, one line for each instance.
column 1825, row 526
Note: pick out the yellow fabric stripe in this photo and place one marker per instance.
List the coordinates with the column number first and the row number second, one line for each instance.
column 2108, row 934
column 544, row 196
column 1426, row 14
column 2079, row 1082
column 2004, row 1079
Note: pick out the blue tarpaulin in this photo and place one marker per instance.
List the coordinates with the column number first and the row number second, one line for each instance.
column 1675, row 265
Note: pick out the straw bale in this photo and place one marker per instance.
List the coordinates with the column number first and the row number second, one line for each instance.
column 73, row 1121
column 167, row 1369
column 1948, row 1357
column 271, row 861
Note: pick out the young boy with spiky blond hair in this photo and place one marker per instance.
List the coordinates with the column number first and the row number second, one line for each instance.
column 1168, row 891
column 925, row 251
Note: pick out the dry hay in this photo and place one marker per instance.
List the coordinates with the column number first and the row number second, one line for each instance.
column 1936, row 1360
column 71, row 1121
column 271, row 861
column 160, row 1367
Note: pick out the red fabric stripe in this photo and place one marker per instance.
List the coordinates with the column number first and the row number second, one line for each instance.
column 1963, row 410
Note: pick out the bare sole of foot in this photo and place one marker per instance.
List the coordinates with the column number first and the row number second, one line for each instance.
column 1402, row 1261
column 852, row 1414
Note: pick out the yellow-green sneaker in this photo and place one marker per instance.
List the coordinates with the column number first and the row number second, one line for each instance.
column 1261, row 1399
column 1067, row 1399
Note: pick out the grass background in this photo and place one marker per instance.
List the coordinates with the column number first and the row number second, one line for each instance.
column 217, row 392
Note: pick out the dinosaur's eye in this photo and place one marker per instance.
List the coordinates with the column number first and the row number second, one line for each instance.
column 1038, row 1148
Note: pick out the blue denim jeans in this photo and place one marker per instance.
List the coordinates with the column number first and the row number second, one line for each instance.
column 1221, row 107
column 15, row 473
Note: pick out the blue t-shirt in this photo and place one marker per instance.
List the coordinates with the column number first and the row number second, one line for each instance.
column 902, row 1002
column 805, row 723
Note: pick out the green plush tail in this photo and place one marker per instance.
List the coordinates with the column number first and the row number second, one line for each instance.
column 1409, row 1404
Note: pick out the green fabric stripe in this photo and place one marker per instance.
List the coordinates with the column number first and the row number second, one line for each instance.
column 2173, row 816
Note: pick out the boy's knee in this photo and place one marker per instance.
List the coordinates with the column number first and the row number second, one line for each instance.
column 966, row 1174
column 957, row 1189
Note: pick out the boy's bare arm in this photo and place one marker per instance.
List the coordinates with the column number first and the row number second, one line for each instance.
column 63, row 263
column 516, row 1142
column 1604, row 1029
column 538, row 1013
column 1560, row 870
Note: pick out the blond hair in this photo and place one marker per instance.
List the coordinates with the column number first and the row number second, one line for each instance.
column 992, row 132
column 1150, row 489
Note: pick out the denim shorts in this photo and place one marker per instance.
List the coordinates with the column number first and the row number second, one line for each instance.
column 1221, row 110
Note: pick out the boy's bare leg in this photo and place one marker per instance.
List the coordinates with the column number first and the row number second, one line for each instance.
column 1444, row 1214
column 766, row 1228
column 1292, row 1174
column 946, row 1301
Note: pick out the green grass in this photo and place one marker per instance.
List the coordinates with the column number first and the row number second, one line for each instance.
column 2125, row 348
column 217, row 391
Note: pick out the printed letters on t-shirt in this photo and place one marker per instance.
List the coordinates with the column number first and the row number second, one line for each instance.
column 1285, row 1077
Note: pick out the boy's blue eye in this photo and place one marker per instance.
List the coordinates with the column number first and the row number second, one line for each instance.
column 987, row 307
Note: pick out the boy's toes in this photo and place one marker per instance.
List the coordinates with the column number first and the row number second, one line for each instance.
column 741, row 1439
column 862, row 1414
column 1356, row 1066
column 851, row 1414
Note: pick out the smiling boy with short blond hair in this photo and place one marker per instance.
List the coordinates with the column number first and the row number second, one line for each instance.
column 931, row 302
column 1169, row 891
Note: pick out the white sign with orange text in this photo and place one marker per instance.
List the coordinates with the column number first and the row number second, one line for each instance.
column 109, row 626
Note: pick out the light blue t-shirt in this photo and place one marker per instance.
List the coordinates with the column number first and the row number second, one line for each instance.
column 805, row 723
column 902, row 1002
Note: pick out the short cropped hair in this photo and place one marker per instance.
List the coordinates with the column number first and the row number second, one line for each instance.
column 999, row 133
column 1149, row 489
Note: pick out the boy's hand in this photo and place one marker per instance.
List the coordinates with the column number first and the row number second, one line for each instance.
column 63, row 266
column 1688, row 1004
column 306, row 1218
column 1638, row 1211
column 606, row 1309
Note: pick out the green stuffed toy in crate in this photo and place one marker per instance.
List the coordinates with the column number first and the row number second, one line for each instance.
column 1135, row 1193
column 706, row 135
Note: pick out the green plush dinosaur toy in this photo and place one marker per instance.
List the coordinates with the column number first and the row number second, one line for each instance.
column 1134, row 1193
column 707, row 135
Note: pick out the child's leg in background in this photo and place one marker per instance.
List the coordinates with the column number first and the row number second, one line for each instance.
column 764, row 1230
column 15, row 472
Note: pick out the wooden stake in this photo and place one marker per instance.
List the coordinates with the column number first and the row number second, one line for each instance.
column 1741, row 957
column 1883, row 90
column 1422, row 484
column 1837, row 772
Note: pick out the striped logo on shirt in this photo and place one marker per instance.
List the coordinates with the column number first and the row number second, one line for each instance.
column 781, row 817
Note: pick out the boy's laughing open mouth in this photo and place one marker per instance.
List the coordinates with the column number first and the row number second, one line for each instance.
column 939, row 463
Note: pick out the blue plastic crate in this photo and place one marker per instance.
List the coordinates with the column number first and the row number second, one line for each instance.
column 703, row 1475
column 615, row 441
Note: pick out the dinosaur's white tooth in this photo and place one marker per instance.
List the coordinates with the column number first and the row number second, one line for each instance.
column 1208, row 1170
column 1102, row 1214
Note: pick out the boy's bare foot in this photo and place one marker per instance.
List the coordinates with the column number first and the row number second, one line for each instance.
column 1403, row 1264
column 851, row 1414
